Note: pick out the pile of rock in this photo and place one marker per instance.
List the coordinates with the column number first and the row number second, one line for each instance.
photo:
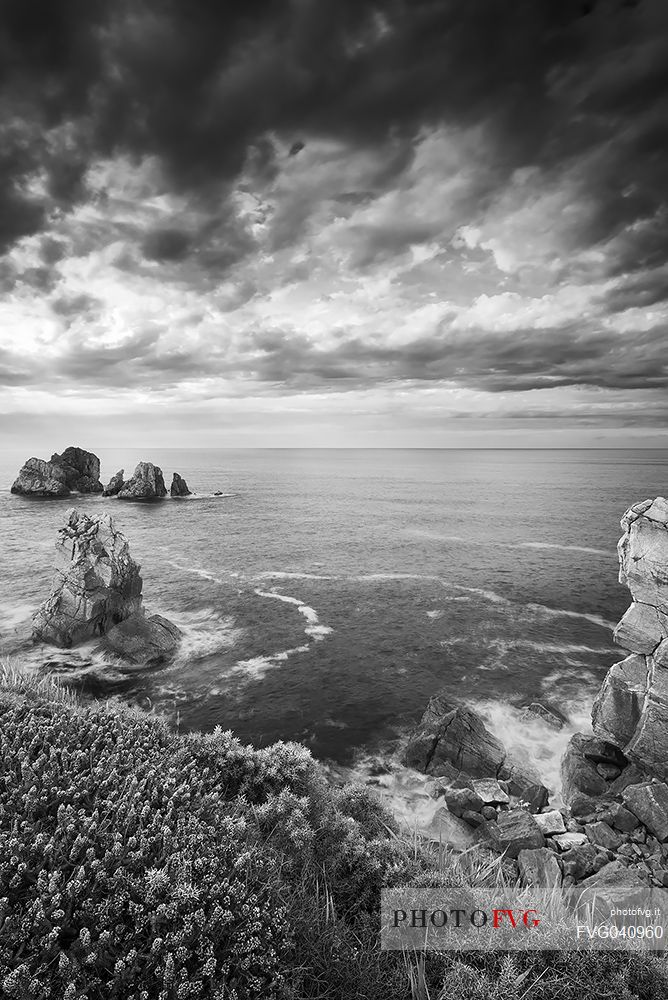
column 612, row 829
column 97, row 592
column 76, row 469
column 146, row 483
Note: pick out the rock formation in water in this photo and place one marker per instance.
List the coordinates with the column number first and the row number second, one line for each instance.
column 82, row 470
column 115, row 484
column 38, row 478
column 146, row 483
column 179, row 487
column 97, row 592
column 631, row 709
column 76, row 469
column 96, row 585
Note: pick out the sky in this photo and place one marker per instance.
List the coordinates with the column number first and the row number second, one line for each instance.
column 333, row 223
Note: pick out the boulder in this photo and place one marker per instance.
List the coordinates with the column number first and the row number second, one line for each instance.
column 146, row 483
column 539, row 867
column 514, row 831
column 179, row 487
column 115, row 484
column 578, row 770
column 538, row 711
column 491, row 792
column 451, row 740
column 96, row 584
column 82, row 470
column 579, row 861
column 143, row 640
column 614, row 875
column 641, row 629
column 461, row 800
column 38, row 478
column 448, row 829
column 600, row 834
column 566, row 841
column 649, row 802
column 550, row 822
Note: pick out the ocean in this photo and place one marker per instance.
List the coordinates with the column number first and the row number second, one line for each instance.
column 327, row 594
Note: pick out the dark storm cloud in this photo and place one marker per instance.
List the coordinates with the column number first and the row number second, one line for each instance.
column 199, row 82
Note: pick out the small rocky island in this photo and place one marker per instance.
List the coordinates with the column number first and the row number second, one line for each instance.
column 97, row 593
column 78, row 471
column 612, row 828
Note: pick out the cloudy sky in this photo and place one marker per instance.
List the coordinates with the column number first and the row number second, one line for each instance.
column 333, row 222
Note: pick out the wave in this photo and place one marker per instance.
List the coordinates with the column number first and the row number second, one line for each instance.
column 564, row 613
column 567, row 548
column 284, row 575
column 195, row 571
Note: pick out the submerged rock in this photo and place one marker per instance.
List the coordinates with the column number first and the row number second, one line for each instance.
column 96, row 585
column 143, row 640
column 179, row 487
column 38, row 478
column 146, row 483
column 115, row 484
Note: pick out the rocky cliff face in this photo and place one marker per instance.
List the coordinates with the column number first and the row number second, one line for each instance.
column 82, row 470
column 631, row 709
column 96, row 584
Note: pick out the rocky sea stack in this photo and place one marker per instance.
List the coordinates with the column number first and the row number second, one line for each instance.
column 179, row 487
column 76, row 469
column 147, row 483
column 97, row 592
column 612, row 828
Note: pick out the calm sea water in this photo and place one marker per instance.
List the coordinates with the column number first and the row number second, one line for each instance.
column 328, row 594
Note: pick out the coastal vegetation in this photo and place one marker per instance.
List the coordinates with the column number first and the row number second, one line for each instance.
column 140, row 863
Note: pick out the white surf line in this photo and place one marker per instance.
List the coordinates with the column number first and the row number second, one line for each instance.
column 314, row 628
column 195, row 572
column 567, row 548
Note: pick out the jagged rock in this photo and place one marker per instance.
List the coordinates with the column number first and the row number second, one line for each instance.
column 491, row 792
column 614, row 875
column 179, row 487
column 578, row 771
column 461, row 800
column 451, row 740
column 566, row 841
column 146, row 483
column 539, row 867
column 115, row 484
column 618, row 705
column 514, row 831
column 579, row 861
column 448, row 829
column 538, row 711
column 649, row 802
column 38, row 478
column 143, row 640
column 601, row 835
column 621, row 818
column 82, row 470
column 96, row 585
column 550, row 822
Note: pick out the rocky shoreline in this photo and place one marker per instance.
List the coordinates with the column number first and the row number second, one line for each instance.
column 612, row 829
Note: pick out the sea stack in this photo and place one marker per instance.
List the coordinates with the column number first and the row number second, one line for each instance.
column 97, row 592
column 179, row 487
column 146, row 483
column 96, row 584
column 115, row 484
column 76, row 469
